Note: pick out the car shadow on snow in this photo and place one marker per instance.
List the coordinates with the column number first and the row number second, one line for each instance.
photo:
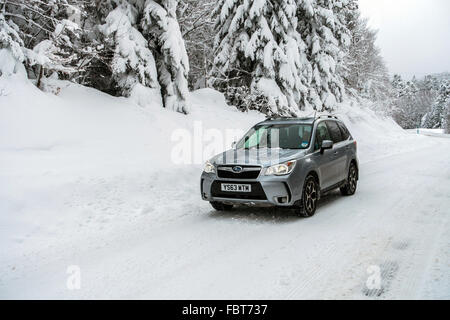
column 273, row 214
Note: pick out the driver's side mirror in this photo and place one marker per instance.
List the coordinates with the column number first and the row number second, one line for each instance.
column 233, row 145
column 326, row 145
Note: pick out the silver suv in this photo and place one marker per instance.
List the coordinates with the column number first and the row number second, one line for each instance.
column 285, row 162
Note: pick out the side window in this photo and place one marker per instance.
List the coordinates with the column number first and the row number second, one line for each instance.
column 335, row 132
column 344, row 131
column 321, row 135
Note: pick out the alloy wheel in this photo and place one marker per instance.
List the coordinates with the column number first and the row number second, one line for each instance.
column 352, row 178
column 310, row 196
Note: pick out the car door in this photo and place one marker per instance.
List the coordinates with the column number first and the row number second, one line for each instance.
column 339, row 152
column 326, row 161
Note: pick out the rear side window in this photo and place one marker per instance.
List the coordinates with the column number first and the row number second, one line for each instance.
column 344, row 131
column 335, row 132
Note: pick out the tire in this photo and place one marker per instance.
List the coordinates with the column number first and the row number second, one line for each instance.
column 219, row 206
column 310, row 197
column 349, row 188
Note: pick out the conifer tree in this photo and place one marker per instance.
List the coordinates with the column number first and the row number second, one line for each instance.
column 160, row 26
column 258, row 47
column 322, row 23
column 288, row 51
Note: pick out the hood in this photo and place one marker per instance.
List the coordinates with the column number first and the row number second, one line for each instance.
column 263, row 157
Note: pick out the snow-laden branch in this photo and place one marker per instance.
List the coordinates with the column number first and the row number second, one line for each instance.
column 7, row 14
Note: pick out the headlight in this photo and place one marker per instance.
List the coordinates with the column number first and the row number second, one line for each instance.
column 209, row 167
column 281, row 169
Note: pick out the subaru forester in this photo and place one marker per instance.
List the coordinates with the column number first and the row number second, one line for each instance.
column 284, row 162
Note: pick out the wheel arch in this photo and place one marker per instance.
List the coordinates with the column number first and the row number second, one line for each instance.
column 304, row 176
column 315, row 175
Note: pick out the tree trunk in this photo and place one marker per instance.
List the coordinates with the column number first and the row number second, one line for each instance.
column 447, row 123
column 41, row 73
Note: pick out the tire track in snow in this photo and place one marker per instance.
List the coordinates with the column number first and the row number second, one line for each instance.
column 393, row 254
column 401, row 261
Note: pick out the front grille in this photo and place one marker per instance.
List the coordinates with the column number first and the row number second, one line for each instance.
column 256, row 194
column 248, row 172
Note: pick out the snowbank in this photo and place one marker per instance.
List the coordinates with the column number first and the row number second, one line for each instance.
column 91, row 124
column 84, row 159
column 377, row 136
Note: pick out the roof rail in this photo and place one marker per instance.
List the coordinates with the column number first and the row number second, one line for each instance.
column 315, row 117
column 278, row 118
column 326, row 116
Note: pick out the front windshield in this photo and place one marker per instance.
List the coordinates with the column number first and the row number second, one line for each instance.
column 272, row 136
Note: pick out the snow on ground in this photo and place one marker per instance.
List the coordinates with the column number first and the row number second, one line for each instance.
column 88, row 179
column 431, row 132
column 434, row 131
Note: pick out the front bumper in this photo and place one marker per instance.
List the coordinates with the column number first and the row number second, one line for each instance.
column 266, row 190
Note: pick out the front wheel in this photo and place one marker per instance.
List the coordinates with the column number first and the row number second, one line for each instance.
column 349, row 188
column 310, row 197
column 219, row 206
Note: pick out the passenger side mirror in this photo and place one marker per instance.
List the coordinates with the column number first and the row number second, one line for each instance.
column 233, row 145
column 326, row 145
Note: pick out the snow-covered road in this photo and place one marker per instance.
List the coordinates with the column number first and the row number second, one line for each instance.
column 397, row 224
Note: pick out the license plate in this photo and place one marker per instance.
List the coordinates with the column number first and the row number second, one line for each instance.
column 227, row 187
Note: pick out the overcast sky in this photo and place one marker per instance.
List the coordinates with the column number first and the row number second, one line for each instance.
column 414, row 35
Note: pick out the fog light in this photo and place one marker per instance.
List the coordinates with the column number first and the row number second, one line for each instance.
column 282, row 199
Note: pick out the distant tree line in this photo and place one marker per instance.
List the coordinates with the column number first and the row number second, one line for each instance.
column 422, row 103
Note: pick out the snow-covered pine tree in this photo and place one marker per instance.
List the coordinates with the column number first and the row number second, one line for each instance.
column 230, row 67
column 292, row 69
column 133, row 63
column 159, row 24
column 197, row 29
column 399, row 85
column 404, row 89
column 277, row 52
column 444, row 100
column 96, row 51
column 11, row 54
column 149, row 50
column 47, row 30
column 431, row 83
column 447, row 120
column 119, row 41
column 408, row 109
column 364, row 70
column 423, row 98
column 438, row 115
column 257, row 47
column 290, row 51
column 323, row 25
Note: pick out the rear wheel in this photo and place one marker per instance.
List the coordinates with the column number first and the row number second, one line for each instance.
column 219, row 206
column 310, row 197
column 349, row 188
